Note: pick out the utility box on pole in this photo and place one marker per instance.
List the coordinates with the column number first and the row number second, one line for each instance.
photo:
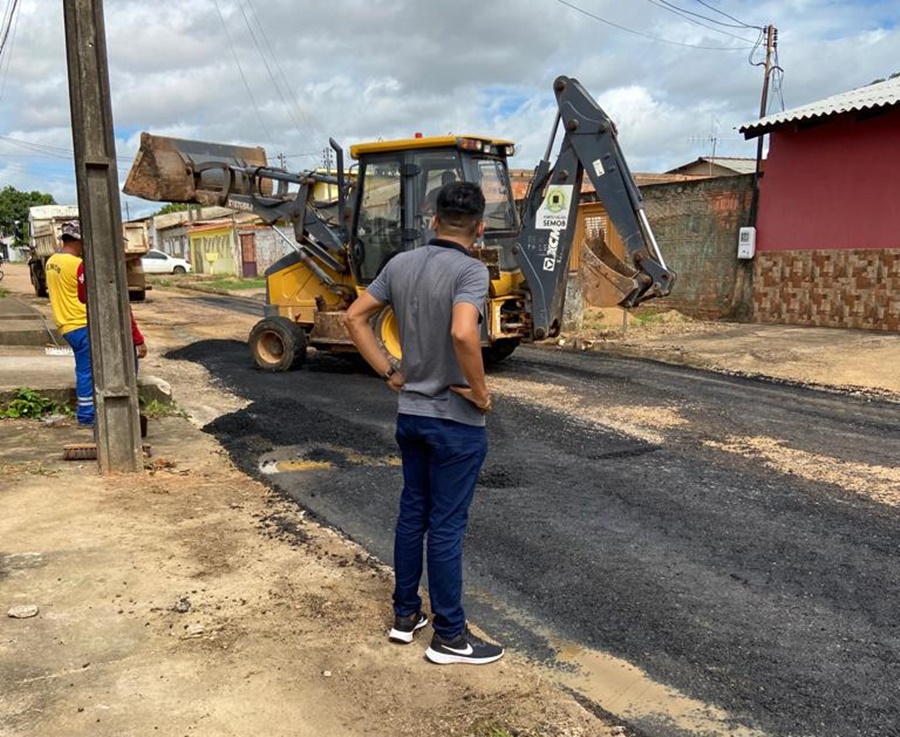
column 109, row 318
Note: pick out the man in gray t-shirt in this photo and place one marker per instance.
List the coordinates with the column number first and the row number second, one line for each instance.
column 438, row 293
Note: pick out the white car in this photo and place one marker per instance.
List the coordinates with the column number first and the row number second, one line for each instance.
column 157, row 262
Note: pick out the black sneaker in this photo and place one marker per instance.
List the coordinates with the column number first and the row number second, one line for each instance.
column 464, row 648
column 405, row 627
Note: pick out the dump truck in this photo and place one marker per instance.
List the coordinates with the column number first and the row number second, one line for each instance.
column 383, row 207
column 44, row 223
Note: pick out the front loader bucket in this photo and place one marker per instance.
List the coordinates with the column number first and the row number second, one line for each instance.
column 178, row 170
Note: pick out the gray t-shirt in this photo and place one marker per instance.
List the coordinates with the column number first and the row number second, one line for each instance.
column 422, row 286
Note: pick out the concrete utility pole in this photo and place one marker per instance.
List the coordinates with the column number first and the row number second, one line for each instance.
column 771, row 43
column 109, row 321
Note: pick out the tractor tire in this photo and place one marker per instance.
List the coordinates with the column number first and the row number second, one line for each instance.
column 277, row 344
column 387, row 334
column 500, row 350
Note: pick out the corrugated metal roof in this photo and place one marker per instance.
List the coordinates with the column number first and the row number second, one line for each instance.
column 737, row 164
column 882, row 94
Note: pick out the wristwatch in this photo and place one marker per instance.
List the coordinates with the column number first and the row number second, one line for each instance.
column 389, row 373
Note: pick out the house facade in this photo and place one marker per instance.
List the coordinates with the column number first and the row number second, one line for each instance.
column 220, row 242
column 828, row 224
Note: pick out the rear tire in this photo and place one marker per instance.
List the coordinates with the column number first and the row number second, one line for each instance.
column 277, row 344
column 500, row 350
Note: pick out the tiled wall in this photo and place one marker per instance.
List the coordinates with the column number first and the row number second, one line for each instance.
column 835, row 288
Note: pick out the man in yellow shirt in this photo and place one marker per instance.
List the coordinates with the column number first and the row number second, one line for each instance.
column 70, row 313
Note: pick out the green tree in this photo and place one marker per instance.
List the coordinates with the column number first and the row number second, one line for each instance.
column 173, row 207
column 14, row 206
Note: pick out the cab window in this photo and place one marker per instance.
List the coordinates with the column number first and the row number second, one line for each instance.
column 379, row 224
column 500, row 208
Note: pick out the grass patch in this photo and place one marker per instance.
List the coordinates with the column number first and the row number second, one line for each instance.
column 231, row 283
column 8, row 470
column 154, row 409
column 4, row 292
column 211, row 284
column 30, row 405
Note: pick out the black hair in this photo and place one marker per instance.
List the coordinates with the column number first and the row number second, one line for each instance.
column 460, row 206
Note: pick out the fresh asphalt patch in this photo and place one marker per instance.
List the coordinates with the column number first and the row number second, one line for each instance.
column 768, row 593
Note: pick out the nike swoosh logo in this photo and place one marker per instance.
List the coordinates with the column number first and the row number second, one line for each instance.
column 467, row 651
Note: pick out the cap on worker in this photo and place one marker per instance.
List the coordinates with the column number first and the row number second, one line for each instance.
column 71, row 230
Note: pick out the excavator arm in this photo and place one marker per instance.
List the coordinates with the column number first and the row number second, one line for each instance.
column 549, row 213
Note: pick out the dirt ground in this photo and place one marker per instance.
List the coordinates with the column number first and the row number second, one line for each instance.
column 191, row 600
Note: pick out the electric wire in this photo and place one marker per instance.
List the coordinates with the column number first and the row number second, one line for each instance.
column 4, row 68
column 46, row 150
column 311, row 124
column 646, row 35
column 722, row 12
column 685, row 11
column 778, row 80
column 7, row 23
column 686, row 14
column 265, row 62
column 758, row 43
column 237, row 61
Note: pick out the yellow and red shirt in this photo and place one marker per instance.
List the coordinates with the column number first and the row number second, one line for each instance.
column 63, row 273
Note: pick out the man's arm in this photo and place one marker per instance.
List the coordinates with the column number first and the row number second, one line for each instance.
column 467, row 345
column 357, row 320
column 137, row 337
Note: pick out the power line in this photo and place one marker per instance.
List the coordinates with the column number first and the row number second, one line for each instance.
column 680, row 10
column 722, row 12
column 686, row 14
column 7, row 23
column 14, row 22
column 237, row 61
column 45, row 149
column 265, row 62
column 645, row 35
column 309, row 123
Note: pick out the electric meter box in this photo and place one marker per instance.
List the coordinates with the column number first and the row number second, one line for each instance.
column 746, row 243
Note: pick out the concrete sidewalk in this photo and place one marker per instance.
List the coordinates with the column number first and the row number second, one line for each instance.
column 22, row 324
column 33, row 355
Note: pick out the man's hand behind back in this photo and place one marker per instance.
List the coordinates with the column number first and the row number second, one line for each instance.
column 482, row 402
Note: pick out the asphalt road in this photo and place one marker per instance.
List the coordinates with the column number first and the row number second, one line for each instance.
column 769, row 595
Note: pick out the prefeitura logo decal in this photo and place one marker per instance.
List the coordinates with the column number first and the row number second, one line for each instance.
column 556, row 199
column 553, row 215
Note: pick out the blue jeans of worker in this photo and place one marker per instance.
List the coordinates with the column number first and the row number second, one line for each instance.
column 84, row 382
column 441, row 461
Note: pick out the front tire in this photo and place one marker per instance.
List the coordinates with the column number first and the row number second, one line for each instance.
column 277, row 344
column 179, row 270
column 499, row 350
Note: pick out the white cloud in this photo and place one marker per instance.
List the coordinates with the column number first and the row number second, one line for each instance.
column 289, row 75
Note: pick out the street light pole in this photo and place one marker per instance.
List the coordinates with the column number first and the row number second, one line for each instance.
column 109, row 317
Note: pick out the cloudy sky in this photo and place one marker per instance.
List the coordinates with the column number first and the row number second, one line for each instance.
column 677, row 76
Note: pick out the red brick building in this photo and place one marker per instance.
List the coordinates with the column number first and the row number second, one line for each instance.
column 828, row 223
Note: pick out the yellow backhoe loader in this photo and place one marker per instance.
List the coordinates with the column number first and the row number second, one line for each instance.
column 383, row 206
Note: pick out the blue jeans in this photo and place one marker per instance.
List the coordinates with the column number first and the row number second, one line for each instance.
column 84, row 381
column 441, row 461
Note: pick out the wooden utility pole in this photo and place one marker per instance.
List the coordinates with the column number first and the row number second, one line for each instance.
column 109, row 319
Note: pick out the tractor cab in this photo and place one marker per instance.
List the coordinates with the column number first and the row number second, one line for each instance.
column 396, row 187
